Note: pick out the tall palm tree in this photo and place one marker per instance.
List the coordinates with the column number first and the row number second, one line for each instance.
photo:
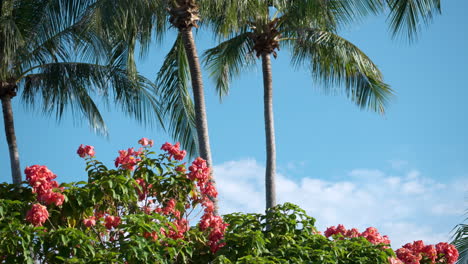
column 309, row 29
column 50, row 53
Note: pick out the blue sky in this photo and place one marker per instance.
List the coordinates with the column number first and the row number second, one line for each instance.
column 405, row 173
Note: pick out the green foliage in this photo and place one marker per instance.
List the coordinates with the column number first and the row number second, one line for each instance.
column 287, row 235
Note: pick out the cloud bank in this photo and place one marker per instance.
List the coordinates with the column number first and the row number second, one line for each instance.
column 406, row 206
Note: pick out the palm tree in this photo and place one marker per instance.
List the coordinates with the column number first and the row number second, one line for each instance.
column 50, row 53
column 309, row 29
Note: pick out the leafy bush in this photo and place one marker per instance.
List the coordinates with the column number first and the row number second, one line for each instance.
column 286, row 234
column 138, row 212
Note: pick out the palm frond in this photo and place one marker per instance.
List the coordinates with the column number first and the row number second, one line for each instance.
column 227, row 60
column 173, row 83
column 56, row 86
column 307, row 13
column 230, row 17
column 335, row 62
column 407, row 16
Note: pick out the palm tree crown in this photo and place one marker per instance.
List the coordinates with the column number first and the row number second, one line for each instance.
column 308, row 28
column 51, row 52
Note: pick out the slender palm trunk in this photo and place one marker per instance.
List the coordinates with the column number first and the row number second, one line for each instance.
column 201, row 121
column 270, row 188
column 11, row 139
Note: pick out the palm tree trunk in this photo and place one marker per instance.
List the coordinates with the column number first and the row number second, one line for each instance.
column 11, row 139
column 270, row 189
column 201, row 121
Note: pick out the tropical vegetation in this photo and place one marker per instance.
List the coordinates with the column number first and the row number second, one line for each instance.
column 55, row 58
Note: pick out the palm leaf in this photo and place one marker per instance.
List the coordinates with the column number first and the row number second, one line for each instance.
column 56, row 86
column 229, row 17
column 228, row 60
column 335, row 62
column 173, row 83
column 406, row 16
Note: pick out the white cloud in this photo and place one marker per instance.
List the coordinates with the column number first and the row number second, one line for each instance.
column 405, row 207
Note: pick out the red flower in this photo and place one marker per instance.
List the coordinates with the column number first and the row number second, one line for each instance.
column 37, row 215
column 52, row 198
column 145, row 142
column 449, row 252
column 89, row 222
column 353, row 233
column 112, row 221
column 84, row 151
column 174, row 151
column 408, row 256
column 41, row 180
column 128, row 159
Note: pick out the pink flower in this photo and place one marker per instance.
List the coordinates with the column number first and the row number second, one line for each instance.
column 112, row 221
column 169, row 208
column 373, row 236
column 407, row 256
column 216, row 228
column 37, row 215
column 41, row 180
column 174, row 151
column 430, row 252
column 128, row 159
column 84, row 151
column 52, row 198
column 89, row 222
column 199, row 171
column 353, row 233
column 145, row 142
column 449, row 252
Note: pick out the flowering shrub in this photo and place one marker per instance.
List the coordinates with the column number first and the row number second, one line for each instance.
column 138, row 212
column 418, row 253
column 141, row 210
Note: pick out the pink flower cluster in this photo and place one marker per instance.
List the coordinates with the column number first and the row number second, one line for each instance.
column 146, row 142
column 89, row 222
column 128, row 159
column 174, row 151
column 200, row 172
column 37, row 215
column 84, row 151
column 41, row 179
column 371, row 234
column 112, row 221
column 418, row 253
column 216, row 226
